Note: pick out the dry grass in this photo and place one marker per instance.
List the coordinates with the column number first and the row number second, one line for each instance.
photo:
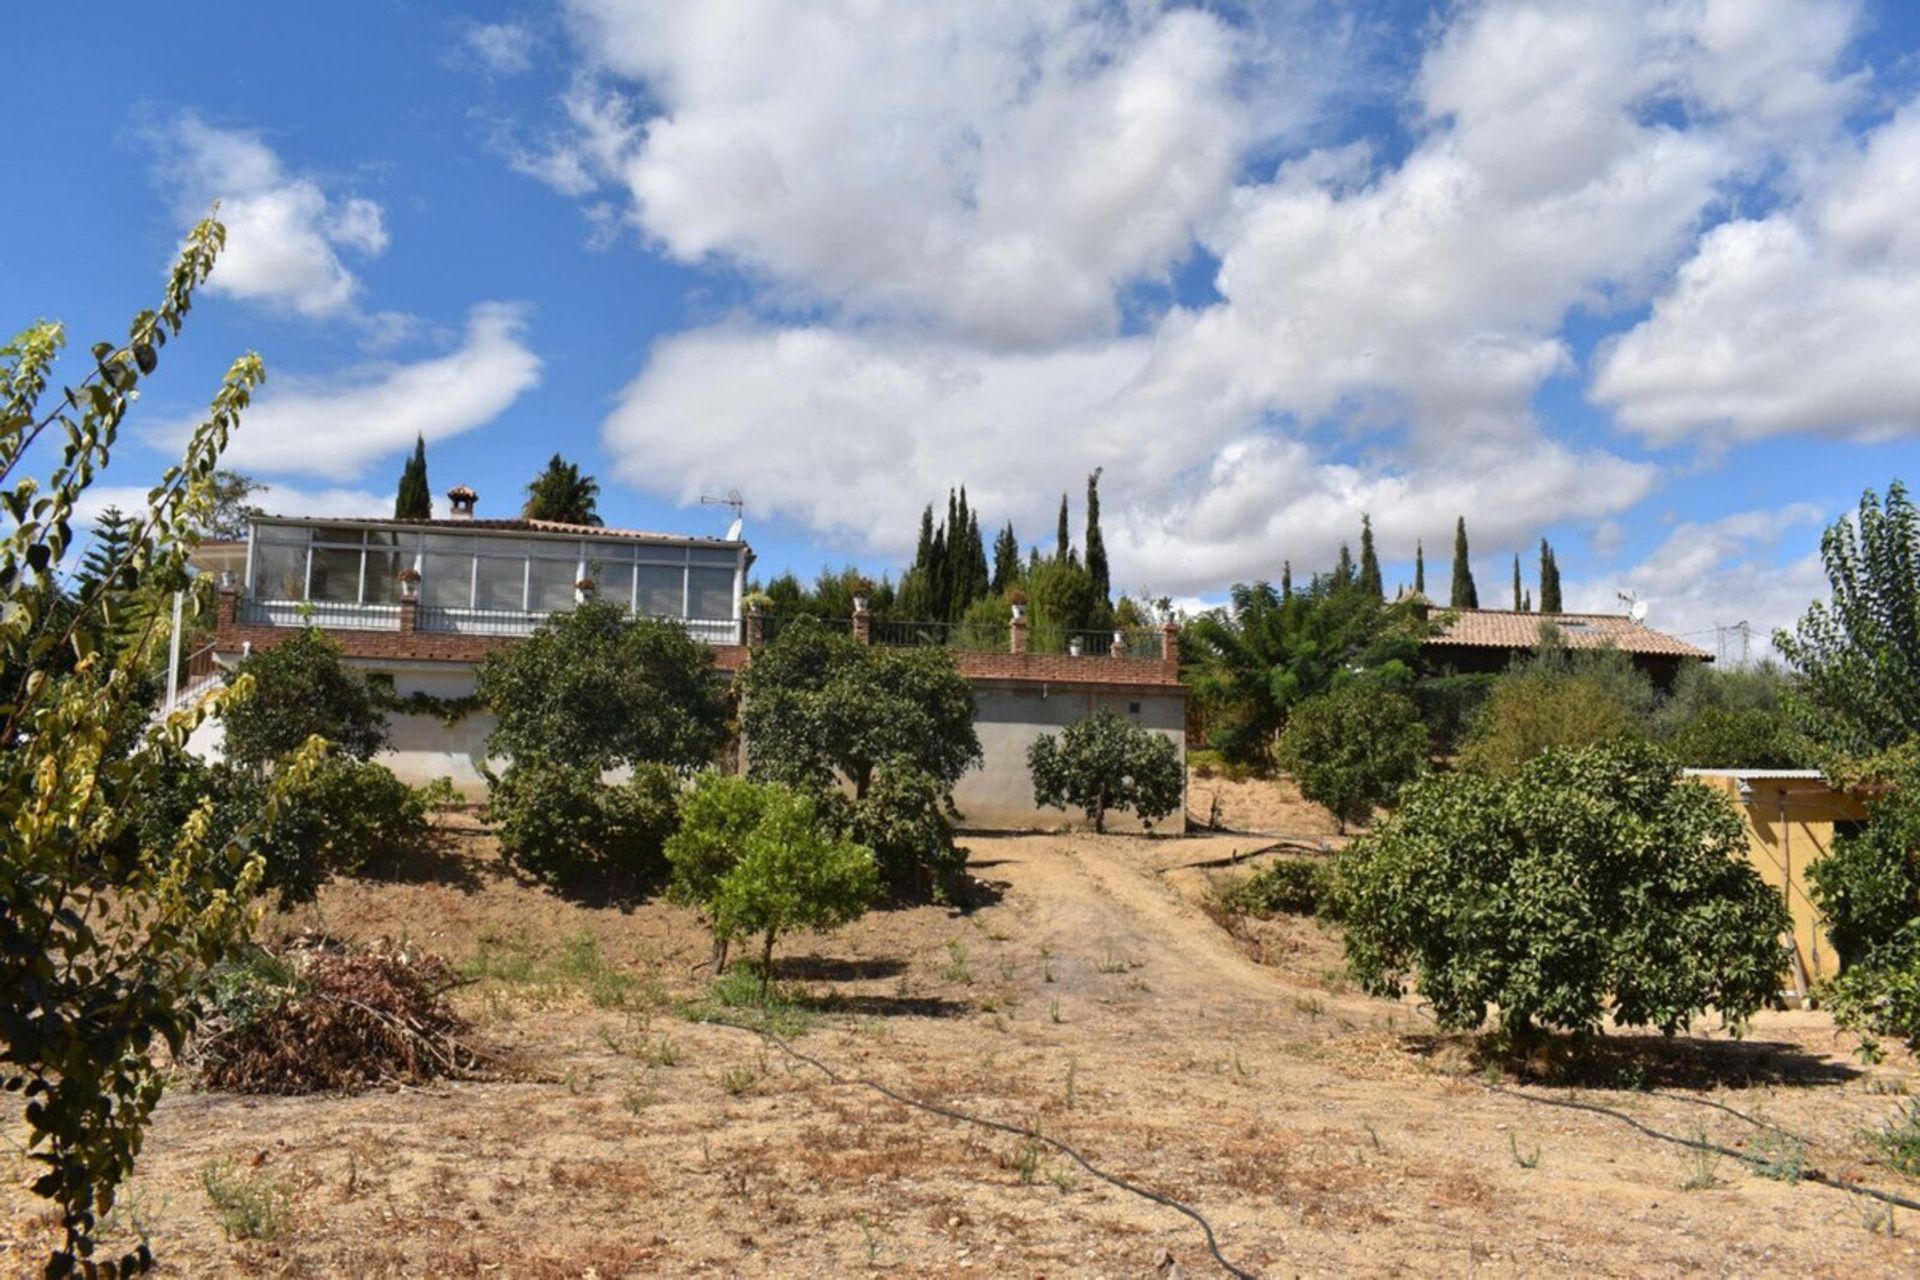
column 1319, row 1130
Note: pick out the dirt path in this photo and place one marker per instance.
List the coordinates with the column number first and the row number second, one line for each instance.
column 1322, row 1132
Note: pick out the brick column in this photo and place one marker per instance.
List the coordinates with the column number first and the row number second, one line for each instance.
column 862, row 622
column 1170, row 644
column 756, row 628
column 409, row 616
column 228, row 613
column 1018, row 635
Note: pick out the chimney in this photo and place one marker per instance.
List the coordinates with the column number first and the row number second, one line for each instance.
column 462, row 499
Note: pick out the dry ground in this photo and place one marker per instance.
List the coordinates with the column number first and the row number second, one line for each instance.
column 1321, row 1131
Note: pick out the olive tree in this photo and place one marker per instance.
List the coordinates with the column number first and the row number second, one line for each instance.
column 1592, row 881
column 103, row 940
column 1353, row 749
column 1107, row 762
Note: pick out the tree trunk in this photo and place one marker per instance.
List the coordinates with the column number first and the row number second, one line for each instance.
column 766, row 966
column 719, row 955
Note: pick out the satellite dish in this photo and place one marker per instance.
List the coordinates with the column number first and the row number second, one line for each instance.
column 1639, row 611
column 733, row 530
column 730, row 499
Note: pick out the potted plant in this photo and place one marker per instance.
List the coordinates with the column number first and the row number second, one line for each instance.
column 862, row 587
column 1076, row 646
column 409, row 583
column 757, row 601
column 1018, row 599
column 583, row 590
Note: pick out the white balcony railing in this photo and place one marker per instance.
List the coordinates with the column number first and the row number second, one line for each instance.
column 331, row 616
column 326, row 614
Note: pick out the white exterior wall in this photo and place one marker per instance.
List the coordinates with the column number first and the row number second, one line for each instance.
column 1009, row 716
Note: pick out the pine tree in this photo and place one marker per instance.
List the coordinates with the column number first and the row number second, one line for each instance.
column 1465, row 594
column 105, row 574
column 563, row 494
column 1369, row 559
column 1419, row 567
column 1006, row 559
column 1549, row 579
column 1097, row 547
column 1063, row 551
column 413, row 500
column 1516, row 583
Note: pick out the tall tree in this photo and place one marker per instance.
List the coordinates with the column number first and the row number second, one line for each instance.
column 1465, row 594
column 1063, row 548
column 1006, row 559
column 1549, row 579
column 1286, row 580
column 563, row 494
column 979, row 579
column 1369, row 559
column 1096, row 544
column 940, row 580
column 413, row 500
column 1343, row 571
column 1860, row 651
column 230, row 515
column 1419, row 567
column 1516, row 583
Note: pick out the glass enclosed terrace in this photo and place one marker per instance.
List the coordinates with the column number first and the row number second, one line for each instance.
column 353, row 575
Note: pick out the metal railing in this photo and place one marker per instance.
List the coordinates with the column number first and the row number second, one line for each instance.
column 328, row 615
column 480, row 622
column 1139, row 643
column 772, row 624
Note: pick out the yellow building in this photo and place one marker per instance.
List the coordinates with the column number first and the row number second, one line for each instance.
column 1792, row 817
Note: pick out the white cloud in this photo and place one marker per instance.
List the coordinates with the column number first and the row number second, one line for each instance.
column 967, row 193
column 502, row 48
column 284, row 231
column 333, row 427
column 1800, row 321
column 1708, row 577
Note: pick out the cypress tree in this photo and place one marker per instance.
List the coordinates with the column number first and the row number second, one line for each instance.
column 413, row 500
column 1419, row 567
column 1369, row 560
column 1516, row 583
column 1097, row 546
column 1063, row 550
column 1006, row 559
column 939, row 581
column 959, row 560
column 1465, row 594
column 1526, row 605
column 1343, row 572
column 1286, row 579
column 1549, row 579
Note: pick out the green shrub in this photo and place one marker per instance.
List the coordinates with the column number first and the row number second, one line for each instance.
column 302, row 689
column 1590, row 882
column 1559, row 699
column 1353, row 749
column 906, row 819
column 595, row 689
column 1868, row 893
column 1107, row 762
column 562, row 823
column 1449, row 704
column 1289, row 887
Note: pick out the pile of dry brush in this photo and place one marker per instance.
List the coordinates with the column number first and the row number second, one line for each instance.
column 317, row 1014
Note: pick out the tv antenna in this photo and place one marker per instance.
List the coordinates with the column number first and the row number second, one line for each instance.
column 732, row 500
column 1636, row 607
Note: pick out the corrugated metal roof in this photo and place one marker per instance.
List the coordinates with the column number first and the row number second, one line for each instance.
column 1511, row 629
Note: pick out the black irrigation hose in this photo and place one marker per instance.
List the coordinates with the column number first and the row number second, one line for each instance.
column 1698, row 1144
column 1035, row 1135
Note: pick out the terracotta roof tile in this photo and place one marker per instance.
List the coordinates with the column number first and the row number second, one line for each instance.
column 1507, row 629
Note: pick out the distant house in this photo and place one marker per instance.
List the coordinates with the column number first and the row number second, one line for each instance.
column 1490, row 640
column 417, row 603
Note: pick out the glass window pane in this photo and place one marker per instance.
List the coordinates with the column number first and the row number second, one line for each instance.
column 446, row 581
column 496, row 545
column 449, row 541
column 279, row 572
column 285, row 533
column 659, row 591
column 549, row 550
column 709, row 593
column 336, row 575
column 500, row 584
column 383, row 575
column 348, row 534
column 550, row 585
column 714, row 555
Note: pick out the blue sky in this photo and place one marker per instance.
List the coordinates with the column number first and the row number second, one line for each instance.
column 1639, row 276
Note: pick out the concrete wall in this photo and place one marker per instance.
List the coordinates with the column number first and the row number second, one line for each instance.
column 1008, row 717
column 422, row 748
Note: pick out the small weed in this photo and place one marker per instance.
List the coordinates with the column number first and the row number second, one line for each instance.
column 1311, row 1006
column 738, row 1080
column 1779, row 1156
column 1006, row 969
column 1062, row 1178
column 1026, row 1161
column 956, row 970
column 1053, row 1010
column 872, row 1242
column 661, row 1054
column 1374, row 1135
column 1525, row 1159
column 1703, row 1169
column 1113, row 963
column 735, row 997
column 640, row 1093
column 250, row 1206
column 1898, row 1140
column 1240, row 1068
column 1073, row 1073
column 1046, row 964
